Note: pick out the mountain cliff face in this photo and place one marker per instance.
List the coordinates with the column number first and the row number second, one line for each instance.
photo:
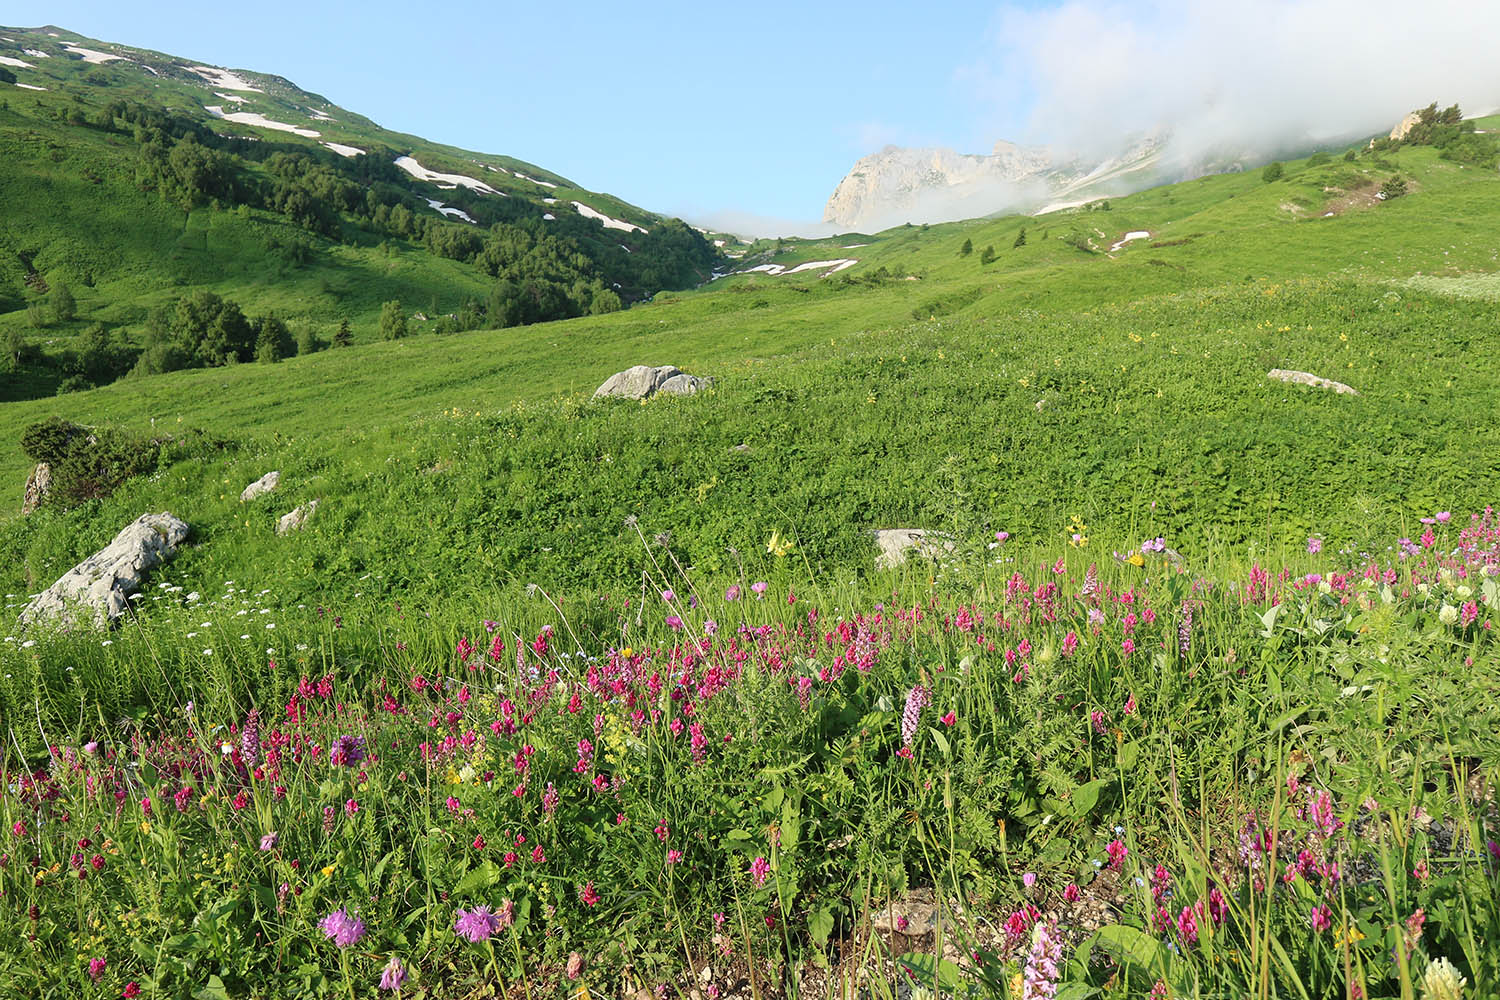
column 898, row 185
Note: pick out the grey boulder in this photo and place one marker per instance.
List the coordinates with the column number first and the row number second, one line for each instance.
column 38, row 486
column 644, row 381
column 294, row 520
column 263, row 485
column 1307, row 378
column 897, row 544
column 100, row 586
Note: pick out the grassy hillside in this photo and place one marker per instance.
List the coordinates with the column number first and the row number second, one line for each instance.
column 731, row 755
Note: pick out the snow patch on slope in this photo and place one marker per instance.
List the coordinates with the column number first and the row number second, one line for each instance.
column 545, row 184
column 457, row 213
column 256, row 118
column 1137, row 234
column 18, row 63
column 777, row 270
column 224, row 79
column 609, row 223
column 92, row 55
column 421, row 173
column 38, row 53
column 27, row 86
column 344, row 150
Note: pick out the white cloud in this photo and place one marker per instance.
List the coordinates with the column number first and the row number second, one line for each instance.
column 1252, row 76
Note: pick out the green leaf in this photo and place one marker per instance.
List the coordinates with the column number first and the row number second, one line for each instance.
column 1128, row 754
column 1086, row 797
column 940, row 740
column 1128, row 946
column 212, row 990
column 1075, row 991
column 927, row 968
column 482, row 877
column 1269, row 620
column 820, row 926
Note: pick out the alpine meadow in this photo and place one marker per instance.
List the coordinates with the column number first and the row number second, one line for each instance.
column 427, row 577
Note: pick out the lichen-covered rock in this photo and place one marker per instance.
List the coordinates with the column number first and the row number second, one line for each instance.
column 99, row 587
column 38, row 485
column 1307, row 378
column 261, row 486
column 896, row 544
column 644, row 381
column 294, row 520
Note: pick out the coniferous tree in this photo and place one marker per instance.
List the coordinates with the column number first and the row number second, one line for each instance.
column 64, row 306
column 966, row 249
column 343, row 338
column 987, row 255
column 392, row 320
column 1020, row 238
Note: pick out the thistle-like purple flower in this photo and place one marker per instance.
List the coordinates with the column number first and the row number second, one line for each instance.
column 1185, row 631
column 476, row 925
column 341, row 928
column 347, row 750
column 916, row 700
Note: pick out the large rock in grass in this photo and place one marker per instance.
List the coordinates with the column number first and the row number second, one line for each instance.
column 898, row 544
column 1307, row 378
column 261, row 486
column 38, row 485
column 644, row 381
column 294, row 520
column 99, row 588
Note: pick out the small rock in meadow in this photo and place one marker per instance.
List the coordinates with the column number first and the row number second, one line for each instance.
column 294, row 520
column 38, row 486
column 896, row 544
column 741, row 448
column 1307, row 378
column 100, row 586
column 264, row 484
column 644, row 381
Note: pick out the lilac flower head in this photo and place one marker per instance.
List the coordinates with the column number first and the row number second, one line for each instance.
column 477, row 924
column 1314, row 545
column 759, row 587
column 393, row 975
column 341, row 928
column 916, row 700
column 268, row 841
column 1043, row 964
column 760, row 868
column 733, row 593
column 250, row 740
column 668, row 596
column 674, row 623
column 347, row 751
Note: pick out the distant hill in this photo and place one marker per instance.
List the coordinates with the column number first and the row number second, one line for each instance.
column 131, row 177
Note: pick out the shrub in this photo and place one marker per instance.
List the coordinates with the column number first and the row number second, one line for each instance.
column 1272, row 172
column 1020, row 238
column 343, row 338
column 64, row 306
column 966, row 249
column 987, row 255
column 49, row 440
column 1318, row 159
column 1394, row 187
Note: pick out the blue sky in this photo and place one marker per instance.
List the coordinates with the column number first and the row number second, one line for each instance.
column 693, row 108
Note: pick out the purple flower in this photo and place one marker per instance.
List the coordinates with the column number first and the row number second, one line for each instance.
column 674, row 623
column 710, row 627
column 759, row 870
column 347, row 751
column 668, row 596
column 1002, row 536
column 1043, row 964
column 1443, row 516
column 759, row 587
column 911, row 715
column 250, row 740
column 341, row 928
column 1029, row 879
column 733, row 593
column 1314, row 545
column 91, row 747
column 393, row 975
column 477, row 924
column 268, row 841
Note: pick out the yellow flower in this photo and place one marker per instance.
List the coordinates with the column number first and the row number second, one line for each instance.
column 1136, row 559
column 145, row 826
column 778, row 546
column 328, row 869
column 1351, row 935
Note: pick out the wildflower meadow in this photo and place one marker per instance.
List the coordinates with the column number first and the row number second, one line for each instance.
column 1084, row 772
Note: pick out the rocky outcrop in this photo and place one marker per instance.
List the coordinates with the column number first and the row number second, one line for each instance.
column 265, row 484
column 38, row 486
column 295, row 520
column 898, row 185
column 1400, row 131
column 644, row 381
column 1306, row 378
column 99, row 588
column 897, row 544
